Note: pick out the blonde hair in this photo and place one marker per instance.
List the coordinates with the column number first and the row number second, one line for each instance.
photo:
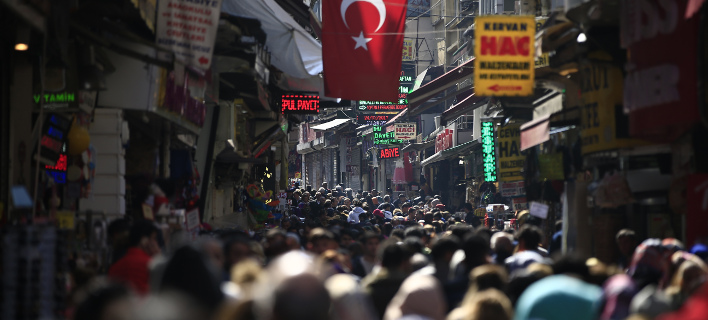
column 490, row 304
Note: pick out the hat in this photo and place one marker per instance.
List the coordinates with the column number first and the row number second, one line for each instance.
column 435, row 202
column 559, row 297
column 378, row 213
column 700, row 250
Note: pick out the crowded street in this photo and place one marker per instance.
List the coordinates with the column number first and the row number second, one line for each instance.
column 353, row 160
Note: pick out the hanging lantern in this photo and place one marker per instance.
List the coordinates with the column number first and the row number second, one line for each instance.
column 78, row 139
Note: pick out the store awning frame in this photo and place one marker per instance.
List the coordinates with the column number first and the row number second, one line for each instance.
column 535, row 132
column 333, row 124
column 433, row 88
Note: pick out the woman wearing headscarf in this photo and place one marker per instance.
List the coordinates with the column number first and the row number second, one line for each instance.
column 420, row 296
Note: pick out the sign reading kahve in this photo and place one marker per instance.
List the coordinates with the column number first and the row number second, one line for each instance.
column 188, row 28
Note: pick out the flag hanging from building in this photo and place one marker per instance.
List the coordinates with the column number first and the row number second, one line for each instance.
column 362, row 41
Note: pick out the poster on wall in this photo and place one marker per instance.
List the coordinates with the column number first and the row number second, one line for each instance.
column 188, row 28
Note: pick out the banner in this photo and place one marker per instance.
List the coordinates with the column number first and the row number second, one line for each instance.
column 188, row 29
column 504, row 55
column 362, row 43
column 408, row 50
column 511, row 158
column 404, row 131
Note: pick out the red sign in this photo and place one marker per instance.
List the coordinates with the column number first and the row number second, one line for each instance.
column 372, row 120
column 505, row 46
column 300, row 104
column 443, row 140
column 696, row 209
column 60, row 165
column 388, row 153
column 661, row 85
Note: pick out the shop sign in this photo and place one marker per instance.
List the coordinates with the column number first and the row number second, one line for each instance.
column 543, row 59
column 660, row 92
column 405, row 87
column 504, row 55
column 444, row 140
column 372, row 120
column 551, row 166
column 408, row 50
column 387, row 153
column 513, row 189
column 520, row 203
column 188, row 28
column 404, row 131
column 299, row 104
column 381, row 137
column 489, row 161
column 603, row 125
column 511, row 158
column 538, row 209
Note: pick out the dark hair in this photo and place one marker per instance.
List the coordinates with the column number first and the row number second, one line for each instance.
column 530, row 235
column 467, row 206
column 118, row 226
column 398, row 233
column 139, row 230
column 416, row 231
column 572, row 264
column 189, row 272
column 476, row 248
column 368, row 235
column 444, row 245
column 99, row 295
column 392, row 254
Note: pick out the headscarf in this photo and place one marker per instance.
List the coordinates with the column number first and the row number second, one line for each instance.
column 650, row 262
column 419, row 295
column 619, row 291
column 559, row 297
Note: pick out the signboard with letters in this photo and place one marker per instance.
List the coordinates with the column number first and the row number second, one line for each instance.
column 444, row 140
column 406, row 85
column 381, row 137
column 408, row 50
column 489, row 161
column 543, row 59
column 513, row 189
column 300, row 104
column 373, row 119
column 511, row 158
column 404, row 131
column 188, row 28
column 504, row 51
column 387, row 153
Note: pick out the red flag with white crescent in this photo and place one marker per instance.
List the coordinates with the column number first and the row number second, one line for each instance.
column 362, row 45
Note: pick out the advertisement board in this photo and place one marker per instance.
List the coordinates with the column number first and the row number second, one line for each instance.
column 299, row 104
column 188, row 29
column 404, row 131
column 504, row 55
column 511, row 158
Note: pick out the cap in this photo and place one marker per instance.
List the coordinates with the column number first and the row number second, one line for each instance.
column 378, row 213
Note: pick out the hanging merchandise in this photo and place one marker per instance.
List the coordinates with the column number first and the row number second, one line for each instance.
column 259, row 206
column 78, row 139
column 613, row 191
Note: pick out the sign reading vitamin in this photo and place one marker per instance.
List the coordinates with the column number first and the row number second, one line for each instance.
column 504, row 55
column 404, row 131
column 488, row 153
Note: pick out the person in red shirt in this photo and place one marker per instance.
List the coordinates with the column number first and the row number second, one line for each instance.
column 132, row 268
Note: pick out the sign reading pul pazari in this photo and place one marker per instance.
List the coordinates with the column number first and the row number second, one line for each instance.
column 504, row 55
column 300, row 104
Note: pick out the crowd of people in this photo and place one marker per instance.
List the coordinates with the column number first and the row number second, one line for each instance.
column 343, row 255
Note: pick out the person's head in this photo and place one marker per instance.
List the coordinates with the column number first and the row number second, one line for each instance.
column 188, row 272
column 214, row 250
column 529, row 237
column 104, row 300
column 395, row 255
column 321, row 240
column 444, row 248
column 626, row 242
column 306, row 197
column 690, row 275
column 370, row 241
column 489, row 304
column 387, row 198
column 502, row 243
column 275, row 244
column 402, row 197
column 488, row 276
column 327, row 204
column 324, row 185
column 374, row 193
column 118, row 233
column 345, row 238
column 467, row 207
column 476, row 249
column 405, row 207
column 143, row 234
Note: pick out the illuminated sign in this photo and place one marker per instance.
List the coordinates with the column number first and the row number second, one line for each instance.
column 406, row 85
column 60, row 165
column 55, row 100
column 372, row 120
column 443, row 140
column 54, row 133
column 300, row 104
column 488, row 152
column 504, row 55
column 388, row 153
column 381, row 137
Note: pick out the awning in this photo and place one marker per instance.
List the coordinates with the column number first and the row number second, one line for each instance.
column 418, row 146
column 548, row 105
column 449, row 153
column 293, row 50
column 329, row 125
column 432, row 159
column 535, row 132
column 431, row 89
column 466, row 105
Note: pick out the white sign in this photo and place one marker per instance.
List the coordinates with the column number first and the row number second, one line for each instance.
column 404, row 131
column 538, row 209
column 513, row 189
column 192, row 219
column 188, row 28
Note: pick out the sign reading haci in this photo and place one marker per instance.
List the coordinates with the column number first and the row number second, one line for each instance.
column 188, row 28
column 404, row 131
column 504, row 55
column 300, row 104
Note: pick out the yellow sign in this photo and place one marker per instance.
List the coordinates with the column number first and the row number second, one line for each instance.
column 542, row 60
column 511, row 159
column 601, row 85
column 504, row 55
column 65, row 220
column 408, row 50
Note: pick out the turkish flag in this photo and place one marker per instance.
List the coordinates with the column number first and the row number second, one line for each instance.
column 362, row 48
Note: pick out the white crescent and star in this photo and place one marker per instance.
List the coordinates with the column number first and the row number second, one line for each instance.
column 361, row 40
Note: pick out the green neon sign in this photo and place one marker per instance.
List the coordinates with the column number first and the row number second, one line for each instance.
column 488, row 152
